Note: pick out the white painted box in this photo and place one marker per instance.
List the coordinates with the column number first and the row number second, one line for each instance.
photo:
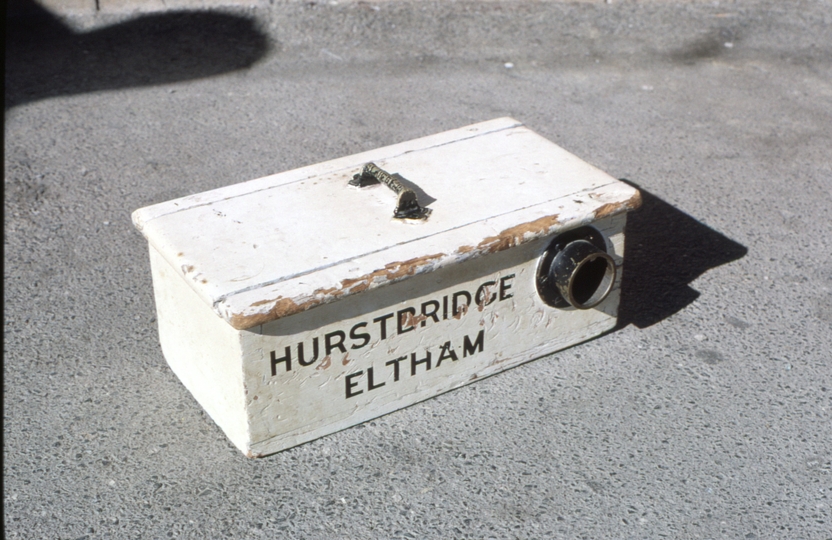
column 296, row 305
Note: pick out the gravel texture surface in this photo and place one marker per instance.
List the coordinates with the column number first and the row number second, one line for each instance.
column 706, row 414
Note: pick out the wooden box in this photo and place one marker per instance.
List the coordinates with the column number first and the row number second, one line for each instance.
column 296, row 305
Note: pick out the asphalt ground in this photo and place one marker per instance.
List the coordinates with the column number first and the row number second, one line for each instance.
column 706, row 414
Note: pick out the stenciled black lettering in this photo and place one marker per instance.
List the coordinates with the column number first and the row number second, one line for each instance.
column 484, row 297
column 445, row 308
column 405, row 319
column 382, row 322
column 471, row 348
column 285, row 358
column 505, row 286
column 414, row 362
column 301, row 360
column 446, row 352
column 370, row 384
column 354, row 334
column 395, row 364
column 460, row 310
column 348, row 381
column 329, row 345
column 432, row 313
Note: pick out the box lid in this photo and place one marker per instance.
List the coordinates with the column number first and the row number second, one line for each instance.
column 275, row 246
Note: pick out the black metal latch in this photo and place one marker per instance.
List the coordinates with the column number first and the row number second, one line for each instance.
column 407, row 205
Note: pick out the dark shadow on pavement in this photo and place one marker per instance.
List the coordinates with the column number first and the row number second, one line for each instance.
column 665, row 251
column 45, row 58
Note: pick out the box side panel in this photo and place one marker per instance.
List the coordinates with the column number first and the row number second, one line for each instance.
column 369, row 354
column 202, row 350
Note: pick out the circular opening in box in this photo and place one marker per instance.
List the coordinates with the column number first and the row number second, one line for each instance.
column 576, row 270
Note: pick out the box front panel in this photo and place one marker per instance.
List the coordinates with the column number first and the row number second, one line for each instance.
column 343, row 363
